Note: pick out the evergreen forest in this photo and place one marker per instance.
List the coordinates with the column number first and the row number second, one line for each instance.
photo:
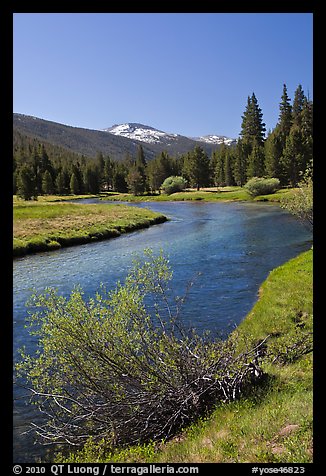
column 284, row 153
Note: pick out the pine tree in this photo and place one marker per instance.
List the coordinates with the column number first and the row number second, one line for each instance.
column 166, row 163
column 240, row 163
column 160, row 168
column 26, row 183
column 219, row 168
column 256, row 167
column 246, row 121
column 298, row 148
column 307, row 118
column 276, row 140
column 45, row 163
column 197, row 168
column 35, row 161
column 252, row 127
column 47, row 183
column 298, row 104
column 119, row 175
column 135, row 181
column 76, row 170
column 273, row 151
column 140, row 159
column 228, row 169
column 100, row 164
column 307, row 131
column 141, row 167
column 41, row 163
column 92, row 179
column 156, row 172
column 60, row 183
column 108, row 173
column 285, row 117
column 74, row 185
column 293, row 156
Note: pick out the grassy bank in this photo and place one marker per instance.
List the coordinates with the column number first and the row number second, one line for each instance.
column 273, row 423
column 44, row 226
column 60, row 198
column 208, row 195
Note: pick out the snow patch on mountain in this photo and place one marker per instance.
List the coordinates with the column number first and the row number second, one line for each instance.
column 141, row 133
column 215, row 139
column 150, row 135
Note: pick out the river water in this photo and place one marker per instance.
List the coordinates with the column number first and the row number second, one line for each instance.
column 233, row 245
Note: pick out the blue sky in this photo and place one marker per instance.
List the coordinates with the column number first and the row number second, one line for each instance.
column 187, row 73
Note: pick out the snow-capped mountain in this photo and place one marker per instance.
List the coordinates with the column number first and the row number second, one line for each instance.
column 214, row 139
column 133, row 130
column 150, row 135
column 117, row 141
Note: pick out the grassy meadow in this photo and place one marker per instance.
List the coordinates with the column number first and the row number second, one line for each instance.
column 206, row 194
column 43, row 226
column 50, row 223
column 273, row 423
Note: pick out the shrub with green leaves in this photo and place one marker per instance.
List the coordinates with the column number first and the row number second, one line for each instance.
column 262, row 186
column 300, row 203
column 121, row 366
column 173, row 184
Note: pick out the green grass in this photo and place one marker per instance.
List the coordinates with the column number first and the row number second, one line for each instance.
column 44, row 226
column 274, row 197
column 231, row 193
column 41, row 227
column 53, row 198
column 208, row 195
column 274, row 422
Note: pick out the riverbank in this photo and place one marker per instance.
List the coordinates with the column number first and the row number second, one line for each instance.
column 37, row 228
column 274, row 423
column 45, row 226
column 207, row 194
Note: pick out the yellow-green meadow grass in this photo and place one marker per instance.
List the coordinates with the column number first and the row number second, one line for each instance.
column 42, row 226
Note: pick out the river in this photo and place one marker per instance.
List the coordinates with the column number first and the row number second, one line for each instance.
column 233, row 245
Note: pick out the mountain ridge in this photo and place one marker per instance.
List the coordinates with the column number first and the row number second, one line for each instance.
column 136, row 130
column 117, row 141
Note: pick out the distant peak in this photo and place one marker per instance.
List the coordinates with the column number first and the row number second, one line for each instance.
column 215, row 139
column 128, row 127
column 140, row 132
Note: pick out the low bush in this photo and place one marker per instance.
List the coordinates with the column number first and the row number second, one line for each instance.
column 262, row 186
column 121, row 366
column 173, row 184
column 300, row 202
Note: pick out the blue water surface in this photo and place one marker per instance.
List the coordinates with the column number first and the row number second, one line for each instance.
column 232, row 245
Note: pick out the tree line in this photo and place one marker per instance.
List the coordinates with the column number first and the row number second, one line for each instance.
column 285, row 154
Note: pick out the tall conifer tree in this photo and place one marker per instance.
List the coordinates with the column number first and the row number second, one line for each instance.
column 228, row 169
column 293, row 157
column 285, row 117
column 240, row 163
column 256, row 165
column 27, row 183
column 219, row 159
column 47, row 183
column 141, row 168
column 197, row 167
column 253, row 136
column 298, row 104
column 252, row 127
column 108, row 173
column 273, row 151
column 74, row 185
